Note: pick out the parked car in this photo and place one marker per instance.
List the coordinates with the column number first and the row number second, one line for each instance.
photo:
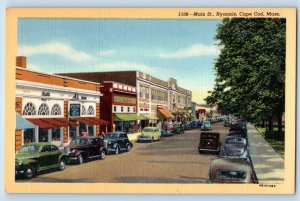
column 194, row 124
column 209, row 142
column 188, row 126
column 149, row 134
column 237, row 133
column 178, row 128
column 33, row 158
column 81, row 149
column 227, row 123
column 117, row 141
column 206, row 125
column 235, row 147
column 166, row 133
column 239, row 127
column 231, row 171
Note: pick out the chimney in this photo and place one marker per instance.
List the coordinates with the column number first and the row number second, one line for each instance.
column 21, row 62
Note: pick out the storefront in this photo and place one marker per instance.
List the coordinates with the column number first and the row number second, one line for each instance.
column 118, row 107
column 59, row 107
column 164, row 114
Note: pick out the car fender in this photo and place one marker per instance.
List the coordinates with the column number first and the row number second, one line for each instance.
column 64, row 157
column 84, row 153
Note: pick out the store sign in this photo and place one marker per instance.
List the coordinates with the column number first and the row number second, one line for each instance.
column 125, row 100
column 74, row 110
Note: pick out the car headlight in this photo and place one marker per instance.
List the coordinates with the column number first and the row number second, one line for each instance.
column 73, row 151
column 19, row 162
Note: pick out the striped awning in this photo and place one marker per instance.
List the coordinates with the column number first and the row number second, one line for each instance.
column 166, row 113
column 50, row 123
column 91, row 120
column 126, row 117
column 148, row 117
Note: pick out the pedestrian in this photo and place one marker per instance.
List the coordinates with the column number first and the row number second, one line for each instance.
column 84, row 133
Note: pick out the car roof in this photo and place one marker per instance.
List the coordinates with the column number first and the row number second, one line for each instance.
column 151, row 127
column 116, row 133
column 38, row 144
column 230, row 164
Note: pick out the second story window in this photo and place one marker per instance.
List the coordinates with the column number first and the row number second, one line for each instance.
column 115, row 108
column 128, row 109
column 121, row 109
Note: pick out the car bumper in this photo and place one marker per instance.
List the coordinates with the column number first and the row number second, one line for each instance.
column 144, row 139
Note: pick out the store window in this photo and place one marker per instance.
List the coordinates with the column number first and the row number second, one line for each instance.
column 91, row 130
column 56, row 110
column 72, row 130
column 83, row 112
column 43, row 109
column 28, row 135
column 29, row 109
column 43, row 135
column 56, row 135
column 90, row 111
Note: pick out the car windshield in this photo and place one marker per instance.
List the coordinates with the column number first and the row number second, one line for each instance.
column 29, row 148
column 79, row 141
column 234, row 141
column 147, row 130
column 230, row 174
column 112, row 136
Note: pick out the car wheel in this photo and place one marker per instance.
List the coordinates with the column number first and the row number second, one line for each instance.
column 117, row 150
column 29, row 172
column 128, row 147
column 152, row 139
column 80, row 159
column 62, row 165
column 102, row 155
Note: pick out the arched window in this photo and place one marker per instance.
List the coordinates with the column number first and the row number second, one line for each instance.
column 90, row 110
column 55, row 110
column 83, row 112
column 29, row 109
column 43, row 109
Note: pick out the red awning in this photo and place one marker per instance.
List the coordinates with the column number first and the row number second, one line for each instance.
column 49, row 123
column 91, row 120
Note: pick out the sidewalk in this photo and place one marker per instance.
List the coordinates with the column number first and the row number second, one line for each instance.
column 268, row 165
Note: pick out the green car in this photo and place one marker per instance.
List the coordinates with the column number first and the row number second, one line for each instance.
column 35, row 157
column 149, row 134
column 178, row 128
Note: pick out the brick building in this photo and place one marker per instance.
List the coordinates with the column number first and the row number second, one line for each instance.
column 60, row 107
column 156, row 98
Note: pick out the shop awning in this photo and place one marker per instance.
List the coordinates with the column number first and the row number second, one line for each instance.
column 49, row 123
column 148, row 117
column 126, row 117
column 91, row 120
column 166, row 113
column 22, row 124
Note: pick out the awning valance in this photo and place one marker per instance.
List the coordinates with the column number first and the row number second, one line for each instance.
column 49, row 123
column 22, row 124
column 166, row 113
column 91, row 120
column 126, row 117
column 148, row 117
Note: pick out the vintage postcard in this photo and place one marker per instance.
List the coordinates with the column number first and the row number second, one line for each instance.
column 150, row 100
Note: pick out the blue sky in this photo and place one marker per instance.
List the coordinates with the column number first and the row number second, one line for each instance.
column 182, row 49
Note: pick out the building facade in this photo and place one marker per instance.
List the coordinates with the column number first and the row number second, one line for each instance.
column 60, row 107
column 156, row 98
column 119, row 106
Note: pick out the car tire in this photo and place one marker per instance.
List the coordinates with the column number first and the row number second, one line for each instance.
column 62, row 165
column 102, row 154
column 29, row 172
column 117, row 150
column 80, row 159
column 128, row 148
column 152, row 139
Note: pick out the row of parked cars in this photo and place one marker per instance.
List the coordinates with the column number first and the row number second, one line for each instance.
column 34, row 158
column 233, row 165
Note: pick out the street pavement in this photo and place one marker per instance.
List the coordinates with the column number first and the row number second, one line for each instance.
column 268, row 165
column 172, row 160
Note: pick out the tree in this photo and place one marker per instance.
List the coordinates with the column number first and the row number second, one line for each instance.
column 250, row 70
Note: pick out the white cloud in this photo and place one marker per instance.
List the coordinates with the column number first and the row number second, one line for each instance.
column 34, row 67
column 58, row 49
column 107, row 53
column 195, row 50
